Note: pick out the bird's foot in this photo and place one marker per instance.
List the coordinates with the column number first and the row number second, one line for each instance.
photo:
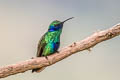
column 48, row 60
column 46, row 57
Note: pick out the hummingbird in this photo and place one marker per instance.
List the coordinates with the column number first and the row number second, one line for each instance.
column 50, row 41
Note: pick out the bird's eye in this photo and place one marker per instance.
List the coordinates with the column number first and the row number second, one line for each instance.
column 56, row 25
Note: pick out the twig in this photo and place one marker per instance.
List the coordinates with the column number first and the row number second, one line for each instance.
column 85, row 44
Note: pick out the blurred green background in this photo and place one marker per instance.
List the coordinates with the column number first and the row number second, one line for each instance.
column 23, row 22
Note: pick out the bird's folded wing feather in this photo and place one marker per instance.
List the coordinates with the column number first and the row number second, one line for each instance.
column 41, row 46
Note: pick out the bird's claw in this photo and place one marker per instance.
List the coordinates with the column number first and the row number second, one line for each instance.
column 48, row 60
column 46, row 57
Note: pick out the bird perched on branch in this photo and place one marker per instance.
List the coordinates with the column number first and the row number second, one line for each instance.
column 50, row 41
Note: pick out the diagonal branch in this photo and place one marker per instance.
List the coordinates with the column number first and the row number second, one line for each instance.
column 85, row 44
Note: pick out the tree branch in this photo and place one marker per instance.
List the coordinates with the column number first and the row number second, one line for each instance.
column 85, row 44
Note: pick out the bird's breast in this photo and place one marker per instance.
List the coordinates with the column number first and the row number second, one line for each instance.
column 52, row 37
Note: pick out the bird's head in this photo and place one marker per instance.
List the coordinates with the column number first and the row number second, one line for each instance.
column 57, row 25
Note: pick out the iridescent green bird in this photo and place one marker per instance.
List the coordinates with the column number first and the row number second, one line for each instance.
column 50, row 41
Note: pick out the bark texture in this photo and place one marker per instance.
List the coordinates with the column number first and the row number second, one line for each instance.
column 85, row 44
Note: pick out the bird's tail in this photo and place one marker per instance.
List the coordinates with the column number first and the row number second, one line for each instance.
column 38, row 69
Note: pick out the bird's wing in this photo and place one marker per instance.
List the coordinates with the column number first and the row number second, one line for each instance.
column 41, row 46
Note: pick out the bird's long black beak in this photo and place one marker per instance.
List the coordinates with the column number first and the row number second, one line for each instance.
column 67, row 19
